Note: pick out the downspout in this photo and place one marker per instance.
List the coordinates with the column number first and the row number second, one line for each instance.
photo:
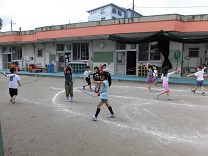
column 34, row 54
column 182, row 60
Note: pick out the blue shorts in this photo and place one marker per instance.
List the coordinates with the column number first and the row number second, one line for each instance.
column 199, row 83
column 104, row 100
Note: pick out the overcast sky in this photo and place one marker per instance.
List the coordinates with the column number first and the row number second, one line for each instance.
column 29, row 14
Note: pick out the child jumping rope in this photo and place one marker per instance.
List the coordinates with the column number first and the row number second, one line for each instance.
column 68, row 83
column 165, row 78
column 149, row 76
column 14, row 81
column 87, row 78
column 96, row 77
column 199, row 74
column 104, row 93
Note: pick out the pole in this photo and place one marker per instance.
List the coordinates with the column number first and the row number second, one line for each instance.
column 12, row 24
column 133, row 9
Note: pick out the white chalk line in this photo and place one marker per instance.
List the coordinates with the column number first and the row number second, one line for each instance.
column 163, row 137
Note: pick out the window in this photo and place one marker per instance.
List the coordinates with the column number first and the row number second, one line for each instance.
column 16, row 53
column 154, row 51
column 120, row 46
column 102, row 19
column 133, row 46
column 119, row 13
column 80, row 51
column 193, row 52
column 114, row 11
column 60, row 47
column 143, row 52
column 40, row 53
column 4, row 49
column 102, row 11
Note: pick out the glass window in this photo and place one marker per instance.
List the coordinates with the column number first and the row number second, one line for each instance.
column 114, row 11
column 119, row 13
column 102, row 11
column 143, row 52
column 60, row 47
column 16, row 53
column 193, row 52
column 120, row 46
column 80, row 51
column 40, row 53
column 102, row 19
column 154, row 51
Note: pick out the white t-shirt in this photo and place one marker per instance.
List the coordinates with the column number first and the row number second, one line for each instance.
column 87, row 73
column 155, row 73
column 200, row 75
column 104, row 90
column 13, row 78
column 166, row 78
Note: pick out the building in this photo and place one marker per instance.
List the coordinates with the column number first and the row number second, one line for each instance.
column 111, row 11
column 89, row 43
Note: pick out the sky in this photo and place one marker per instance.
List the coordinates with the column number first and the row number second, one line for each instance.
column 30, row 14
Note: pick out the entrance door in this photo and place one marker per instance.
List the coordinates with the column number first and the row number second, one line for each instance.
column 7, row 60
column 131, row 63
column 121, row 63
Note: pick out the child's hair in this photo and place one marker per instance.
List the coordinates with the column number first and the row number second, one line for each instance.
column 87, row 67
column 200, row 67
column 69, row 69
column 104, row 65
column 151, row 68
column 165, row 71
column 96, row 68
column 107, row 76
column 155, row 67
column 12, row 70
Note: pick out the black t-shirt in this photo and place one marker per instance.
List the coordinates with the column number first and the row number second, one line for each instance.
column 96, row 77
column 68, row 75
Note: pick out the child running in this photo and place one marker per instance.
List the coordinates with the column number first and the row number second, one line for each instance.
column 87, row 78
column 149, row 76
column 104, row 93
column 155, row 75
column 68, row 83
column 14, row 81
column 96, row 77
column 199, row 74
column 165, row 78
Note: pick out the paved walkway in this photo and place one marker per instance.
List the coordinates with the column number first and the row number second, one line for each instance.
column 183, row 80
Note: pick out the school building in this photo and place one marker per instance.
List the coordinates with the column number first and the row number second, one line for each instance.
column 125, row 45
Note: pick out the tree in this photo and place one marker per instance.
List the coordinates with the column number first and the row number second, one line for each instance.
column 1, row 23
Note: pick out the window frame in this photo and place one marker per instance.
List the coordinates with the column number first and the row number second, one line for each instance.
column 41, row 53
column 194, row 49
column 79, row 53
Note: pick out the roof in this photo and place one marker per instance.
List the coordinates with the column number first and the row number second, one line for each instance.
column 106, row 6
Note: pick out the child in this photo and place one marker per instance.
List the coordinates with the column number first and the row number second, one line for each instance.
column 96, row 77
column 14, row 81
column 165, row 78
column 199, row 74
column 68, row 83
column 87, row 78
column 149, row 76
column 155, row 75
column 105, row 68
column 105, row 84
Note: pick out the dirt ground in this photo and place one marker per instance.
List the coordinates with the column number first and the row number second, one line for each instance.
column 42, row 123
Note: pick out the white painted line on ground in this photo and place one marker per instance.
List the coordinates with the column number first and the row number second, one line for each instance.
column 150, row 113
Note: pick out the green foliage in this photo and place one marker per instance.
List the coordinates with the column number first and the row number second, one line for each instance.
column 1, row 23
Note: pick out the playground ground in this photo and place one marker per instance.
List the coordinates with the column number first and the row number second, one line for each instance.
column 41, row 123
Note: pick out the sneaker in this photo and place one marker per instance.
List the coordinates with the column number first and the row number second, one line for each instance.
column 70, row 100
column 91, row 90
column 203, row 94
column 157, row 95
column 193, row 91
column 168, row 98
column 67, row 100
column 13, row 100
column 93, row 117
column 111, row 116
column 83, row 87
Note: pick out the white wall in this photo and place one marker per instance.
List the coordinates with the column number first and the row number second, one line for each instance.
column 1, row 58
column 109, row 47
column 194, row 62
